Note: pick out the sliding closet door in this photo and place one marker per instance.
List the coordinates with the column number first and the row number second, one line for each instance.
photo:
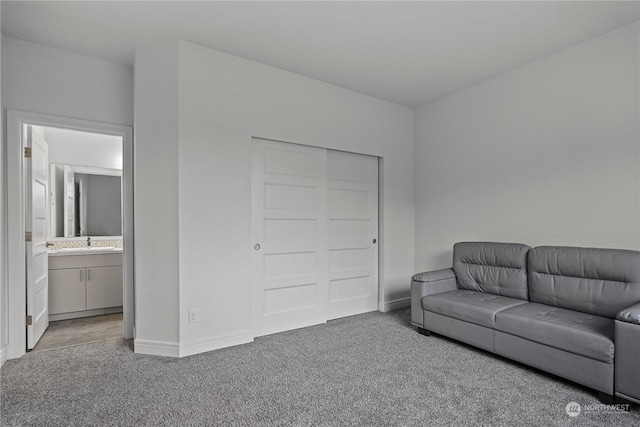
column 289, row 229
column 353, row 233
column 314, row 230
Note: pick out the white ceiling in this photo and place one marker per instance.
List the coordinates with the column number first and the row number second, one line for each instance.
column 406, row 52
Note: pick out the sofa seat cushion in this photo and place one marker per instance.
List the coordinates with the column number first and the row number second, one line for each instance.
column 470, row 306
column 573, row 331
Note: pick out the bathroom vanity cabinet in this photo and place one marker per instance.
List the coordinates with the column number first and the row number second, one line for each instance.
column 84, row 285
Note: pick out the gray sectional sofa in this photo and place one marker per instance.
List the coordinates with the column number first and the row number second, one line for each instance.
column 573, row 312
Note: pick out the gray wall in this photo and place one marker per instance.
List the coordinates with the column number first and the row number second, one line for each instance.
column 3, row 229
column 46, row 80
column 193, row 165
column 545, row 154
column 41, row 79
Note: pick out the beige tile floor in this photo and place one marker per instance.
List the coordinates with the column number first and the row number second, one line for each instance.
column 77, row 331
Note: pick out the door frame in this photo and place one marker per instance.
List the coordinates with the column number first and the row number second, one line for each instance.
column 15, row 225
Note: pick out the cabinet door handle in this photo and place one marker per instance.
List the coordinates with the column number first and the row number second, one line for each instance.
column 88, row 275
column 82, row 275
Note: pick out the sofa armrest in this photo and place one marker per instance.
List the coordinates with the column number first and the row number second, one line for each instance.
column 627, row 362
column 428, row 283
column 630, row 314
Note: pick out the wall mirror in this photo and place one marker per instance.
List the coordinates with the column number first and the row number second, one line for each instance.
column 85, row 183
column 85, row 201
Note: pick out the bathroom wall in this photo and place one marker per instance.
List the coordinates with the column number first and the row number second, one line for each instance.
column 69, row 147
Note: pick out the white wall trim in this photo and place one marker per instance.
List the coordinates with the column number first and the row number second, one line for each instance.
column 209, row 344
column 85, row 313
column 395, row 304
column 16, row 269
column 156, row 348
column 170, row 349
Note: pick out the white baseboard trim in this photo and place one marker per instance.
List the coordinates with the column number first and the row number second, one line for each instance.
column 169, row 349
column 156, row 348
column 3, row 355
column 396, row 304
column 204, row 345
column 86, row 313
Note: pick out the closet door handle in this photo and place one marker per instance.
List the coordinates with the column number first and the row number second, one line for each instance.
column 82, row 275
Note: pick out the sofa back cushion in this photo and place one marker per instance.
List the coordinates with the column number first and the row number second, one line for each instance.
column 494, row 268
column 594, row 281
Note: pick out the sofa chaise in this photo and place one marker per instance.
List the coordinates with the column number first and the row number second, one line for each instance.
column 573, row 312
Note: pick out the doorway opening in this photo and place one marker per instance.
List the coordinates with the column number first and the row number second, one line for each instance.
column 83, row 237
column 70, row 257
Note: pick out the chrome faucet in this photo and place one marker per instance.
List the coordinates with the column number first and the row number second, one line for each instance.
column 88, row 241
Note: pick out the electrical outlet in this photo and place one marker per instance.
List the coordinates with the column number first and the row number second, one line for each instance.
column 193, row 315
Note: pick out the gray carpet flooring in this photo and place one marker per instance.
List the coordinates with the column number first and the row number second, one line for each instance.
column 369, row 370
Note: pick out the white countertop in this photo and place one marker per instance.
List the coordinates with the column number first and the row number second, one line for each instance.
column 95, row 250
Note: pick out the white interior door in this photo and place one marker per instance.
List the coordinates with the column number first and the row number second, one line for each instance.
column 289, row 235
column 37, row 213
column 353, row 231
column 314, row 225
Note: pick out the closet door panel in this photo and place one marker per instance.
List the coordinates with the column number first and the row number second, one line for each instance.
column 314, row 221
column 353, row 233
column 290, row 236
